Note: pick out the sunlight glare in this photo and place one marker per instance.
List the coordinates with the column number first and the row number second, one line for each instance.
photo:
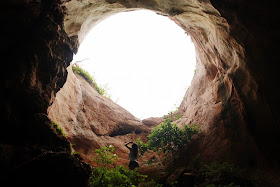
column 147, row 61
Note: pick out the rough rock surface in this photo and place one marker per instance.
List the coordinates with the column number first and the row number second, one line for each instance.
column 39, row 51
column 229, row 96
column 92, row 121
column 152, row 121
column 234, row 95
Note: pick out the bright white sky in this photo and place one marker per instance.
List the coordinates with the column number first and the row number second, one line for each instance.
column 147, row 61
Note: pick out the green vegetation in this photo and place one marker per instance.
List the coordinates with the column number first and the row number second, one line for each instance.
column 77, row 69
column 215, row 174
column 168, row 138
column 217, row 169
column 223, row 175
column 58, row 130
column 105, row 156
column 102, row 90
column 212, row 174
column 106, row 175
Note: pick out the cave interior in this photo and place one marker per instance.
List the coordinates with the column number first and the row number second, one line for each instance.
column 234, row 94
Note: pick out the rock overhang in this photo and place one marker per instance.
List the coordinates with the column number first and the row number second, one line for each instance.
column 233, row 95
column 223, row 84
column 218, row 54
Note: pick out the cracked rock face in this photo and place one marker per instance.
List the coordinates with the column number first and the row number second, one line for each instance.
column 234, row 95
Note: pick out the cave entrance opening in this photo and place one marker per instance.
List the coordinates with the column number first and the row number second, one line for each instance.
column 146, row 61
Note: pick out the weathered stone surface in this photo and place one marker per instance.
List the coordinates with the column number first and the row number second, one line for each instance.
column 152, row 121
column 230, row 96
column 225, row 85
column 91, row 120
column 37, row 52
column 234, row 95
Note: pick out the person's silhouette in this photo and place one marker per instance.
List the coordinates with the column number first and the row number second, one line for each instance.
column 132, row 155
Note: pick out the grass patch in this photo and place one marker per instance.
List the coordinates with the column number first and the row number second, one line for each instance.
column 102, row 90
column 58, row 130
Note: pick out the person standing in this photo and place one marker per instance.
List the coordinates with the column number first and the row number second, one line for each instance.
column 133, row 153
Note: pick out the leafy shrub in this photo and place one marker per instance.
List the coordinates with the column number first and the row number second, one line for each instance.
column 168, row 137
column 105, row 175
column 105, row 156
column 142, row 147
column 215, row 169
column 102, row 90
column 117, row 176
column 215, row 174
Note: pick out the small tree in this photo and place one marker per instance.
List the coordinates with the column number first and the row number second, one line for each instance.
column 168, row 137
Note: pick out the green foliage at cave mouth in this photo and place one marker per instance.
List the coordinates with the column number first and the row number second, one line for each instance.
column 106, row 174
column 102, row 90
column 168, row 138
